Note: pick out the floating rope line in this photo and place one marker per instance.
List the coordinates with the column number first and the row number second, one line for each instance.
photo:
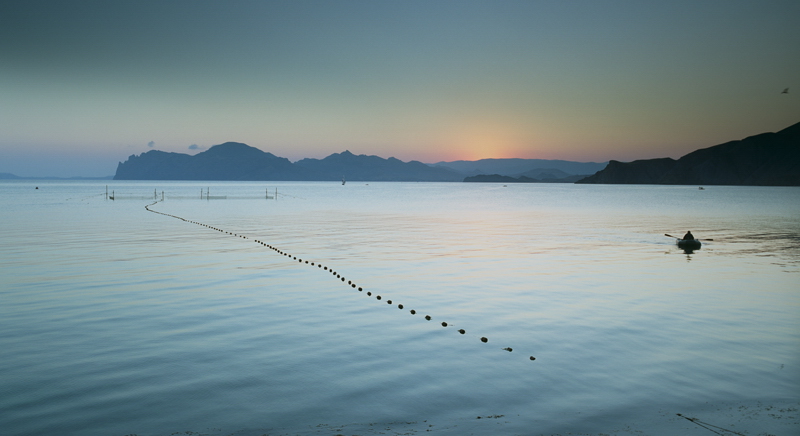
column 324, row 268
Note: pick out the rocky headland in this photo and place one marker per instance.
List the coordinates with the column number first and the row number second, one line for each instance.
column 768, row 159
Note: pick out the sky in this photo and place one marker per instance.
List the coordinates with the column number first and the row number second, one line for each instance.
column 85, row 84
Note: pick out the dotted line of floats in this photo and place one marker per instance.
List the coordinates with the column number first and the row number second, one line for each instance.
column 318, row 265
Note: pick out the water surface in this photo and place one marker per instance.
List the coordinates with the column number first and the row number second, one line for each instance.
column 115, row 320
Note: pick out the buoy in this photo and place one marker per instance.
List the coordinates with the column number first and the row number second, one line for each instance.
column 378, row 297
column 484, row 339
column 533, row 358
column 444, row 324
column 413, row 312
column 399, row 306
column 509, row 349
column 428, row 317
column 462, row 331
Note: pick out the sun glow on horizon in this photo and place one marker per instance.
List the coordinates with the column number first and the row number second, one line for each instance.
column 463, row 80
column 485, row 140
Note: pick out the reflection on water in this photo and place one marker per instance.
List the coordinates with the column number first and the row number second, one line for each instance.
column 118, row 321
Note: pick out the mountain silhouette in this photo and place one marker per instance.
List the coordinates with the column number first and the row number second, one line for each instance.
column 228, row 161
column 374, row 168
column 768, row 159
column 237, row 161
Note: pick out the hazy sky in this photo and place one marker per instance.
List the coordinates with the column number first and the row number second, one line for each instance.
column 85, row 84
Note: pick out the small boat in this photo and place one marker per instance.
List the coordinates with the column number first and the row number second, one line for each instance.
column 689, row 244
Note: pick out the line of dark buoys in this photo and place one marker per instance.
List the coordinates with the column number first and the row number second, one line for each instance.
column 325, row 268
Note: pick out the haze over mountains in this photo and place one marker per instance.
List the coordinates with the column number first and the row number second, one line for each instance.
column 237, row 161
column 769, row 159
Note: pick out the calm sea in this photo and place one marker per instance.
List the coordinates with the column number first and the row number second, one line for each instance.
column 242, row 315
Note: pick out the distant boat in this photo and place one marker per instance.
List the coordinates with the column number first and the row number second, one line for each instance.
column 689, row 244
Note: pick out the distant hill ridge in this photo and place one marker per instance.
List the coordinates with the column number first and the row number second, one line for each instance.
column 237, row 161
column 228, row 161
column 374, row 168
column 768, row 159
